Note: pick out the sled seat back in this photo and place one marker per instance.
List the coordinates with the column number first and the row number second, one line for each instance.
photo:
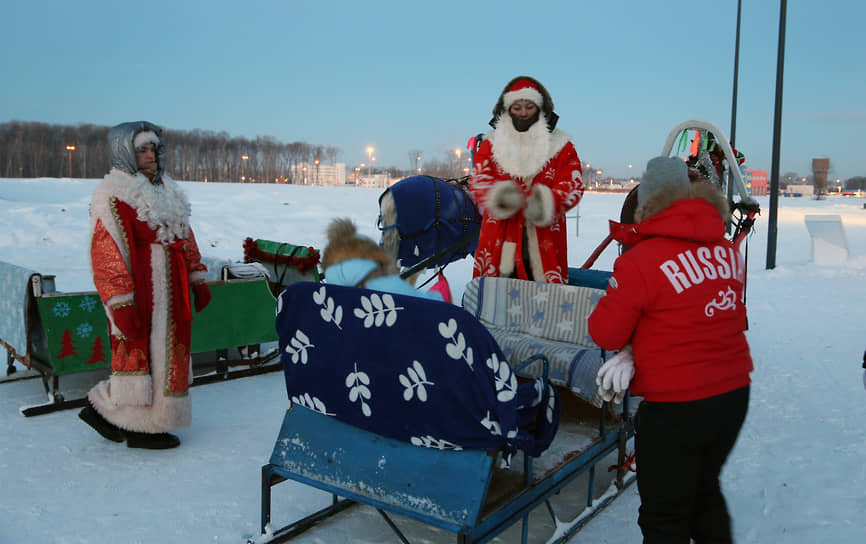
column 17, row 309
column 408, row 368
column 532, row 317
column 444, row 488
column 400, row 402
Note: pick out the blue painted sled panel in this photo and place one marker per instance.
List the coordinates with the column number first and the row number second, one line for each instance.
column 443, row 488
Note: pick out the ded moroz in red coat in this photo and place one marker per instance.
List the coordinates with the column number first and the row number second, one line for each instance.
column 143, row 249
column 677, row 296
column 540, row 158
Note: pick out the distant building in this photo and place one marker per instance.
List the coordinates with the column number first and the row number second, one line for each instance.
column 319, row 174
column 799, row 190
column 756, row 181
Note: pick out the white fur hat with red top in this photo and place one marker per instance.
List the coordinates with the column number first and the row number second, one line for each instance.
column 522, row 89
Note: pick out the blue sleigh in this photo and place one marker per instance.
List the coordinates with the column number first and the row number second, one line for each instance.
column 412, row 406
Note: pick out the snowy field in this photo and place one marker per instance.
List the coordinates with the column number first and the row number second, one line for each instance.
column 796, row 475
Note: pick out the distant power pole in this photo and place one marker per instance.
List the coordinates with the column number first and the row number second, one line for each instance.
column 415, row 161
column 733, row 133
column 772, row 231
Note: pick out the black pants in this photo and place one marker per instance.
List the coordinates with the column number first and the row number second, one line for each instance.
column 680, row 448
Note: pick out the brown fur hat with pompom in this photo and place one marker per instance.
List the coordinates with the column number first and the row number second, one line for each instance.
column 344, row 243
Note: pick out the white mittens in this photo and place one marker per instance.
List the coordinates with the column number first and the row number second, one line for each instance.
column 539, row 206
column 615, row 374
column 504, row 199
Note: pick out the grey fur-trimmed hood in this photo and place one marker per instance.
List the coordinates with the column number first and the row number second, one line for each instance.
column 663, row 199
column 121, row 150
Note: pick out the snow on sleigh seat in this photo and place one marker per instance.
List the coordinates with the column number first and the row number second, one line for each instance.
column 400, row 402
column 532, row 317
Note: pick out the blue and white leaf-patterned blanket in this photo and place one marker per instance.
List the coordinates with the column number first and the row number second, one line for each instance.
column 412, row 369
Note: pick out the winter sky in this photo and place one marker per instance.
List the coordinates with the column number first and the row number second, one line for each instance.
column 424, row 75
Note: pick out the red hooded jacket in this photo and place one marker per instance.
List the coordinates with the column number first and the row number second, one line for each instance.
column 677, row 296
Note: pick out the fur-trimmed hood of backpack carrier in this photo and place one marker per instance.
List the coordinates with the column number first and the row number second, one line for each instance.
column 665, row 197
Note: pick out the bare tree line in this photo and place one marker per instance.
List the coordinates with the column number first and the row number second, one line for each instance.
column 31, row 149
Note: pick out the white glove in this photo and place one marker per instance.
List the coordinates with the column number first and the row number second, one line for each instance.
column 615, row 375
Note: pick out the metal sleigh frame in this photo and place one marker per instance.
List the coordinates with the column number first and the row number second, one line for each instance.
column 457, row 491
column 743, row 211
column 218, row 327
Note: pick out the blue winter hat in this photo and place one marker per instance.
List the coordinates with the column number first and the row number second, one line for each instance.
column 662, row 173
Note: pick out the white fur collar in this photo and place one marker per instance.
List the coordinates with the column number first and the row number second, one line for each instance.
column 524, row 154
column 164, row 207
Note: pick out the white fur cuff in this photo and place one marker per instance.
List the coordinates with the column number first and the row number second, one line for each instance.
column 131, row 390
column 197, row 276
column 504, row 199
column 539, row 206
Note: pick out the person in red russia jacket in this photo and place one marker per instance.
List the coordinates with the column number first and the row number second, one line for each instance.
column 145, row 259
column 526, row 175
column 677, row 297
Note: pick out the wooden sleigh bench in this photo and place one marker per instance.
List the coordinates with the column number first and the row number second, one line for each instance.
column 330, row 442
column 57, row 334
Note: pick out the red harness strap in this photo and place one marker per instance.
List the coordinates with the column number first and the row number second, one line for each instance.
column 629, row 464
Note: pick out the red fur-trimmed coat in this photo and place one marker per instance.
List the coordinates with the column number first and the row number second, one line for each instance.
column 143, row 250
column 537, row 157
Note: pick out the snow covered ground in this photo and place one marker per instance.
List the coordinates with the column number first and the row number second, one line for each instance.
column 796, row 475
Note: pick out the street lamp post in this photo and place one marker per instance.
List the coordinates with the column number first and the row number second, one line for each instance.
column 458, row 152
column 370, row 150
column 69, row 150
column 243, row 162
column 316, row 162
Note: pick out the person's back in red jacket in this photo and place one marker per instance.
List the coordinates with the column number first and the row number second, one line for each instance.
column 677, row 297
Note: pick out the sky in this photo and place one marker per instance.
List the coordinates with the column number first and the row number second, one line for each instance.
column 796, row 474
column 402, row 76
